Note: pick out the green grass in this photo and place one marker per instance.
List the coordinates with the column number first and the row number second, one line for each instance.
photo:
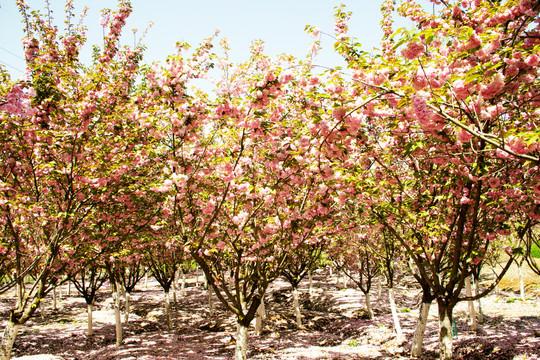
column 535, row 251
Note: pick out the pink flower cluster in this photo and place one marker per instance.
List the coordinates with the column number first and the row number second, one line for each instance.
column 413, row 50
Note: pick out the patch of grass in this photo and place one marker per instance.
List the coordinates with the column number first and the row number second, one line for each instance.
column 353, row 343
column 511, row 300
column 535, row 251
column 405, row 310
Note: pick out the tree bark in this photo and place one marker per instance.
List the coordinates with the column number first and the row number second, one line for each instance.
column 310, row 276
column 117, row 317
column 418, row 337
column 168, row 310
column 183, row 286
column 127, row 298
column 296, row 306
column 210, row 301
column 90, row 318
column 397, row 325
column 521, row 282
column 261, row 315
column 54, row 300
column 445, row 330
column 369, row 310
column 472, row 312
column 10, row 333
column 480, row 317
column 240, row 352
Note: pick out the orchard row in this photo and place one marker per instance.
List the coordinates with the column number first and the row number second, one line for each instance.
column 426, row 150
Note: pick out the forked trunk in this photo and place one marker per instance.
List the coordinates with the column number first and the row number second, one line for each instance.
column 10, row 333
column 445, row 330
column 395, row 317
column 240, row 352
column 296, row 305
column 90, row 318
column 419, row 332
column 369, row 310
column 168, row 310
column 472, row 312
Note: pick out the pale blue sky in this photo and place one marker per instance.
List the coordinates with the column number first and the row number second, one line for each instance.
column 280, row 23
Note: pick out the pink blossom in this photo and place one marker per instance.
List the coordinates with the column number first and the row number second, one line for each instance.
column 413, row 50
column 493, row 88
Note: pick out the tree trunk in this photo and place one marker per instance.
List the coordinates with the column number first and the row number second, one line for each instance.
column 369, row 310
column 117, row 317
column 379, row 289
column 521, row 282
column 296, row 305
column 480, row 316
column 445, row 330
column 69, row 289
column 261, row 315
column 10, row 333
column 127, row 298
column 472, row 312
column 419, row 332
column 210, row 302
column 240, row 352
column 310, row 276
column 395, row 316
column 168, row 310
column 90, row 326
column 146, row 280
column 54, row 300
column 183, row 286
column 174, row 289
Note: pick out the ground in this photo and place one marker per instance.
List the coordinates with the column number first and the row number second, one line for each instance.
column 334, row 326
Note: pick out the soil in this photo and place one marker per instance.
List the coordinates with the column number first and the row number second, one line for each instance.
column 335, row 326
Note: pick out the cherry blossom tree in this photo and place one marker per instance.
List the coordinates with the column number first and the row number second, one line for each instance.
column 67, row 137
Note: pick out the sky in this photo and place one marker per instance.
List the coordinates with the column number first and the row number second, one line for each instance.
column 280, row 23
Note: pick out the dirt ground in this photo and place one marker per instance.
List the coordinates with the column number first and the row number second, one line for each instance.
column 334, row 326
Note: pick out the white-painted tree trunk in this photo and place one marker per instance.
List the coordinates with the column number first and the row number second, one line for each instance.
column 296, row 306
column 310, row 276
column 90, row 320
column 419, row 332
column 261, row 315
column 369, row 309
column 127, row 299
column 146, row 280
column 395, row 317
column 480, row 315
column 472, row 312
column 240, row 352
column 521, row 282
column 117, row 317
column 55, row 308
column 69, row 289
column 174, row 289
column 168, row 310
column 183, row 285
column 379, row 289
column 445, row 333
column 10, row 333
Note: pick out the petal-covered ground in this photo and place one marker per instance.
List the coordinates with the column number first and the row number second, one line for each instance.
column 334, row 326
